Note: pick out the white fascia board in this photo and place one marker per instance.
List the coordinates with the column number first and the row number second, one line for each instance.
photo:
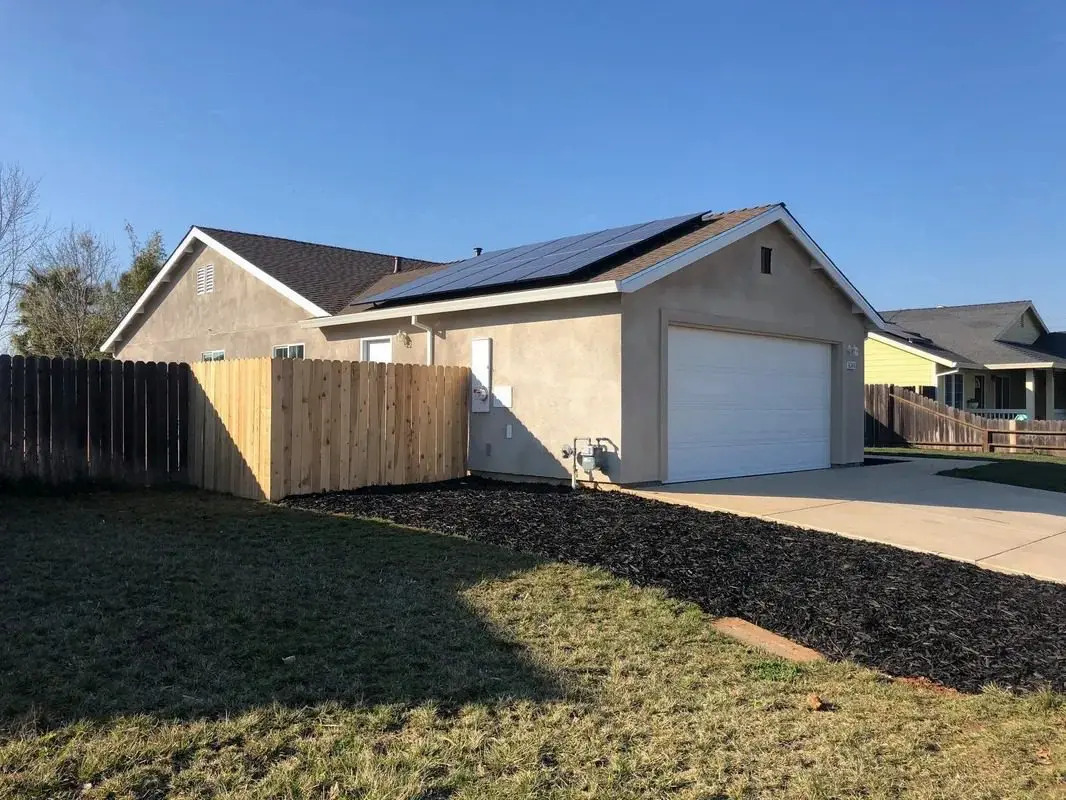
column 195, row 234
column 912, row 349
column 1041, row 365
column 467, row 304
column 778, row 213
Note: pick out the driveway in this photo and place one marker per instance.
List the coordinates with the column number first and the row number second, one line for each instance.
column 905, row 504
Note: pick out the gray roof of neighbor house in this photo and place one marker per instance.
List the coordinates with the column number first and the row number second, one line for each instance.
column 327, row 276
column 971, row 334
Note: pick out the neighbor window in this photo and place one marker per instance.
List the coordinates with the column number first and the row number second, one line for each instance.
column 213, row 355
column 289, row 351
column 767, row 257
column 205, row 279
column 953, row 391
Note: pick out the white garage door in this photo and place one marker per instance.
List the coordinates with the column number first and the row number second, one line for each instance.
column 740, row 404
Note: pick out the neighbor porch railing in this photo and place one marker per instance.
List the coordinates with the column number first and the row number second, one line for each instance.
column 997, row 413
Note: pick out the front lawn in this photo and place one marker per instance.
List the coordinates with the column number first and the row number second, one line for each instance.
column 970, row 455
column 1047, row 475
column 189, row 645
column 1032, row 470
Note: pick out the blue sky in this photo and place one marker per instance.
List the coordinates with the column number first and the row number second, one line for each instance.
column 921, row 144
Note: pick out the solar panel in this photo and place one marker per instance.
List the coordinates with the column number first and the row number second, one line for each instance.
column 531, row 262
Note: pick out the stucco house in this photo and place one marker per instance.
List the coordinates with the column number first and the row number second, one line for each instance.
column 709, row 345
column 998, row 360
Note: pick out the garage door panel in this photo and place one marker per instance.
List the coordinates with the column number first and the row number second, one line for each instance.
column 740, row 404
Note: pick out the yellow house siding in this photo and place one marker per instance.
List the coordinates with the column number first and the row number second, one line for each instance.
column 888, row 364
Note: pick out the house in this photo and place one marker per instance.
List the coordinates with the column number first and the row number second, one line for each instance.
column 708, row 345
column 998, row 360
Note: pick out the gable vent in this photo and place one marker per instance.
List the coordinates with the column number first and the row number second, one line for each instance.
column 205, row 279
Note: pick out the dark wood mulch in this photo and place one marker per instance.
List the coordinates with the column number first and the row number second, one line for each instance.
column 904, row 613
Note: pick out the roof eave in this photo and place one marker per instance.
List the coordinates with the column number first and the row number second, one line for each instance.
column 473, row 303
column 915, row 349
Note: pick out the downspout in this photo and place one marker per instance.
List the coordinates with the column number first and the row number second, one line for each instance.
column 429, row 337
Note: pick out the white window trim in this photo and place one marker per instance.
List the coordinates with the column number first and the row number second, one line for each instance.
column 275, row 348
column 949, row 390
column 204, row 355
column 364, row 346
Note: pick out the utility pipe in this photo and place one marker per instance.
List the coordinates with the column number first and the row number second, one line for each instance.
column 429, row 337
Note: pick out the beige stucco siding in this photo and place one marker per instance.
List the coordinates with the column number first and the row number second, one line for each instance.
column 727, row 290
column 562, row 361
column 888, row 364
column 242, row 316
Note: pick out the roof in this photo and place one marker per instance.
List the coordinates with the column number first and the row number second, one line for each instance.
column 327, row 276
column 386, row 282
column 716, row 223
column 624, row 271
column 326, row 280
column 970, row 334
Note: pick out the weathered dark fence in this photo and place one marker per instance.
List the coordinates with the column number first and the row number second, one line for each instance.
column 898, row 417
column 67, row 420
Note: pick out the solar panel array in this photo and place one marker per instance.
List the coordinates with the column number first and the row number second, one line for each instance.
column 532, row 262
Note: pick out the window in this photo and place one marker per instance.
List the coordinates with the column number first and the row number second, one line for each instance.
column 953, row 392
column 213, row 355
column 205, row 279
column 288, row 351
column 766, row 259
column 379, row 349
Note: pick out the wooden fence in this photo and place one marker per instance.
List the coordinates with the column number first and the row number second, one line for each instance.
column 67, row 420
column 898, row 417
column 268, row 428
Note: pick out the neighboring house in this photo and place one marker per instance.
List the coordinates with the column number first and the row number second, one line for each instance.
column 703, row 346
column 998, row 360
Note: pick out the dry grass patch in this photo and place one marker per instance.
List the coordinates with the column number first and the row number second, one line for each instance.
column 145, row 637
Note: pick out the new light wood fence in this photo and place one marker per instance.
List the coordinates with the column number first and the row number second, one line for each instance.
column 268, row 428
column 896, row 416
column 65, row 420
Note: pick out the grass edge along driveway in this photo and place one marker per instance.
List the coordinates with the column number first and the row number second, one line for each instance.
column 1031, row 470
column 183, row 644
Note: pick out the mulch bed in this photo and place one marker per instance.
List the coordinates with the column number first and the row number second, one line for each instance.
column 907, row 614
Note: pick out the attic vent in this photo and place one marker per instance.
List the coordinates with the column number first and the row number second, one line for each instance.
column 205, row 279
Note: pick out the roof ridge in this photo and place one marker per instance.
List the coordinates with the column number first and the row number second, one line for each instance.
column 963, row 305
column 207, row 228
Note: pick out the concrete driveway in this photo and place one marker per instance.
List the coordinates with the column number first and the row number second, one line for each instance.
column 905, row 504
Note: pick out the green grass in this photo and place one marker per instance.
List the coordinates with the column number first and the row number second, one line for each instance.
column 187, row 645
column 916, row 452
column 1033, row 474
column 1033, row 470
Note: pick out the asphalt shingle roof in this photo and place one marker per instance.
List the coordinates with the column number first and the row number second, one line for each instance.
column 970, row 332
column 718, row 224
column 327, row 276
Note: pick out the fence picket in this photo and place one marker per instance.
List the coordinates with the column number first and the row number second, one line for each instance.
column 6, row 458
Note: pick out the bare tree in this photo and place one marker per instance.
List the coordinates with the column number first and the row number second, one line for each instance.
column 22, row 232
column 68, row 303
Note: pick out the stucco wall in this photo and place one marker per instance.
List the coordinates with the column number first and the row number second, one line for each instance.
column 888, row 364
column 242, row 316
column 727, row 290
column 562, row 361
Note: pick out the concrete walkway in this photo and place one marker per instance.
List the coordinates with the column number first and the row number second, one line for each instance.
column 905, row 504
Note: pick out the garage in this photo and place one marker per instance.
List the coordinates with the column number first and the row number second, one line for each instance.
column 745, row 404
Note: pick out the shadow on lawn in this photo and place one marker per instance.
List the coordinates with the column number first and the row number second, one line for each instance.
column 191, row 605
